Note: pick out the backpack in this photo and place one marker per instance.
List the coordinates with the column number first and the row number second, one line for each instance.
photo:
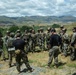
column 66, row 38
column 10, row 42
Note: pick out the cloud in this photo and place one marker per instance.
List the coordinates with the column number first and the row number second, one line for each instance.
column 37, row 7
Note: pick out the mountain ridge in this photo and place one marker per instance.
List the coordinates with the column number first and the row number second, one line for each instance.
column 35, row 19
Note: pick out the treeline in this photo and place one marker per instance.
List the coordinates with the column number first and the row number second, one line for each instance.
column 14, row 28
column 23, row 28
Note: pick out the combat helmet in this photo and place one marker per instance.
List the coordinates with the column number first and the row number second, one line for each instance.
column 18, row 35
column 61, row 26
column 12, row 34
column 8, row 32
column 64, row 29
column 53, row 30
column 18, row 31
column 48, row 29
column 74, row 29
column 41, row 29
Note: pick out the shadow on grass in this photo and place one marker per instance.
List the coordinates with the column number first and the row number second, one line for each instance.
column 74, row 74
column 60, row 65
column 24, row 70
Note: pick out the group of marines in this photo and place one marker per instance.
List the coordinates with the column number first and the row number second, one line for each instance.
column 43, row 40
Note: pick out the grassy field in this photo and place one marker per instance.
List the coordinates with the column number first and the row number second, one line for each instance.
column 40, row 59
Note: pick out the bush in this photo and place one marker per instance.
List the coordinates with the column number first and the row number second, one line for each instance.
column 55, row 26
column 1, row 31
column 13, row 28
column 23, row 28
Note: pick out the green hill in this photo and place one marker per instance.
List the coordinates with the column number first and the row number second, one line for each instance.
column 35, row 20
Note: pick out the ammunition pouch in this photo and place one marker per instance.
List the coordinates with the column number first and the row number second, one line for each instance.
column 17, row 51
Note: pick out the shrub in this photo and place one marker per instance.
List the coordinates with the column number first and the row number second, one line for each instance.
column 13, row 28
column 55, row 26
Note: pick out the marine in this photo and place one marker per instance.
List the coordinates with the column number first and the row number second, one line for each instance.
column 55, row 42
column 42, row 39
column 5, row 39
column 26, row 39
column 73, row 44
column 48, row 34
column 1, row 47
column 11, row 48
column 61, row 35
column 33, row 39
column 20, row 53
column 66, row 42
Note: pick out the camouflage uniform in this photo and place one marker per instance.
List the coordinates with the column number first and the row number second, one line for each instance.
column 33, row 39
column 66, row 41
column 73, row 44
column 61, row 35
column 30, row 41
column 5, row 39
column 22, row 56
column 20, row 53
column 1, row 48
column 48, row 38
column 26, row 39
column 42, row 40
column 37, row 37
column 55, row 42
column 11, row 48
column 53, row 53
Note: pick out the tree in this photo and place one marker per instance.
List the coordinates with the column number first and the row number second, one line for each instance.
column 1, row 31
column 13, row 28
column 23, row 28
column 55, row 26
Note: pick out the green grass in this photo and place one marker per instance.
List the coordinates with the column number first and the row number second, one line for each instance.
column 71, row 65
column 60, row 67
column 32, row 61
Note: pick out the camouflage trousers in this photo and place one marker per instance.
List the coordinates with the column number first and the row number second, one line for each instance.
column 7, row 52
column 73, row 53
column 2, row 54
column 11, row 54
column 27, row 48
column 30, row 46
column 33, row 47
column 42, row 44
column 22, row 56
column 53, row 53
column 47, row 44
column 65, row 49
column 61, row 50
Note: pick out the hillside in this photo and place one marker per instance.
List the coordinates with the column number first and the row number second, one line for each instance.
column 35, row 20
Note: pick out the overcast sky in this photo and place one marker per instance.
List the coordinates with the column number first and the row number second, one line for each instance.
column 14, row 8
